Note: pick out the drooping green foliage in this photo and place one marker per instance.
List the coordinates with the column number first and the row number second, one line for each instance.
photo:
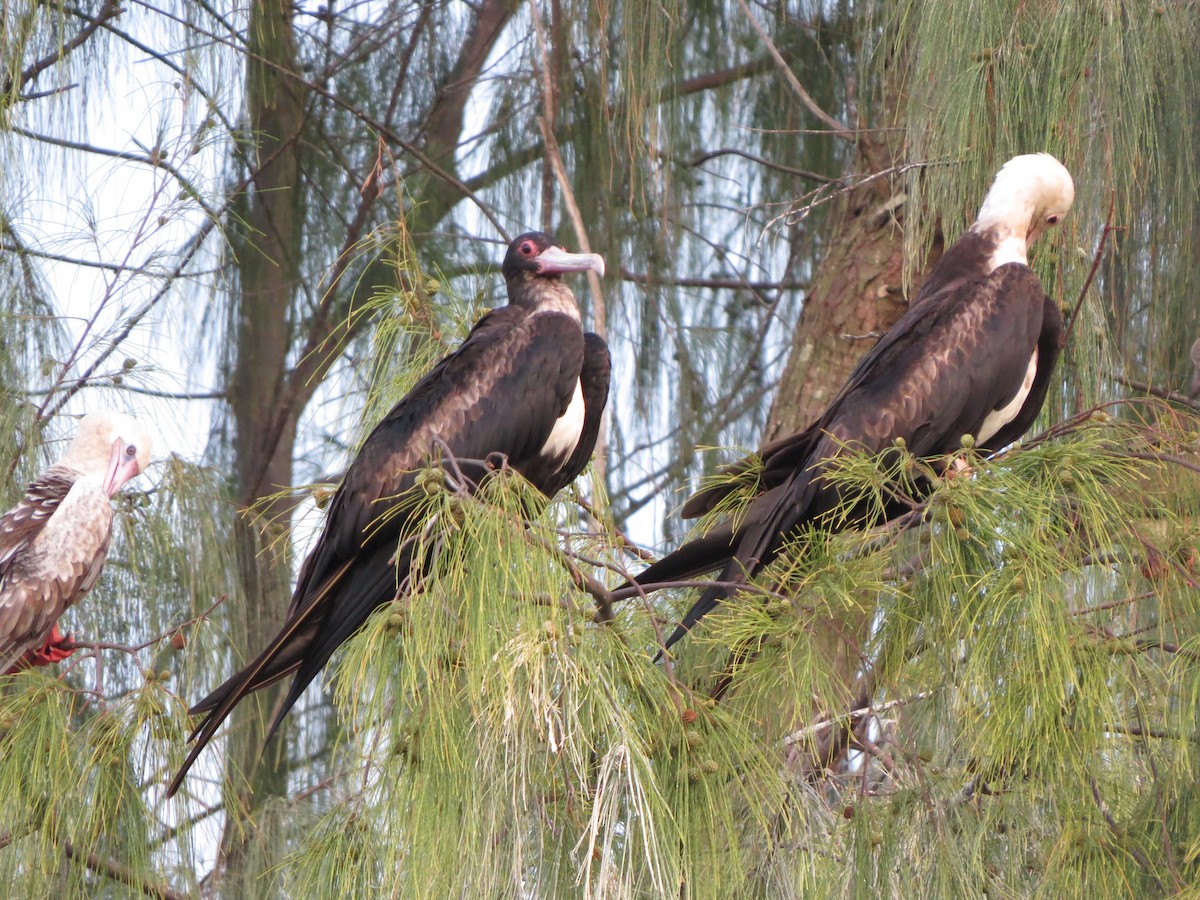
column 1098, row 85
column 1031, row 714
column 1021, row 720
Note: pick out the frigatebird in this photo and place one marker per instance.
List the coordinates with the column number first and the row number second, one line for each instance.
column 53, row 543
column 528, row 385
column 972, row 355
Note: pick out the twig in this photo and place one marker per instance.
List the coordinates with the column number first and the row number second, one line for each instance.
column 745, row 587
column 155, row 160
column 1168, row 647
column 1146, row 731
column 1112, row 604
column 810, row 104
column 352, row 110
column 132, row 649
column 115, row 871
column 1165, row 457
column 623, row 538
column 1099, row 254
column 1119, row 834
column 779, row 167
column 111, row 9
column 583, row 581
column 797, row 214
column 810, row 731
column 191, row 822
column 1162, row 393
column 131, row 322
column 725, row 284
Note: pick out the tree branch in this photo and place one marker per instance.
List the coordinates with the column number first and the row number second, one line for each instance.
column 778, row 167
column 1162, row 393
column 810, row 104
column 110, row 10
column 817, row 727
column 1096, row 257
column 115, row 871
column 726, row 284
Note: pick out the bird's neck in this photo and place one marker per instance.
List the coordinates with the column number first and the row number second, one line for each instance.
column 1004, row 219
column 546, row 295
column 1010, row 248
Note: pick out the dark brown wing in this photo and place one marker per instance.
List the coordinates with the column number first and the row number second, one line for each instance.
column 499, row 393
column 956, row 273
column 53, row 544
column 772, row 466
column 1049, row 347
column 935, row 376
column 594, row 379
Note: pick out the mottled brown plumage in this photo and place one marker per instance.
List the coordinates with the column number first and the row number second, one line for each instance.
column 972, row 355
column 53, row 543
column 527, row 384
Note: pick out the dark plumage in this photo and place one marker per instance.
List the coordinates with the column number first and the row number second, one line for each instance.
column 973, row 355
column 527, row 384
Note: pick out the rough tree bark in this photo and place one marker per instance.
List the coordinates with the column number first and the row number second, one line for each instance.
column 859, row 291
column 263, row 442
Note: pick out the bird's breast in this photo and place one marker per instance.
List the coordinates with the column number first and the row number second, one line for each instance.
column 564, row 436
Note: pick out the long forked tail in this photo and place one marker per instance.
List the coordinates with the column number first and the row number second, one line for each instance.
column 709, row 600
column 281, row 658
column 750, row 549
column 306, row 642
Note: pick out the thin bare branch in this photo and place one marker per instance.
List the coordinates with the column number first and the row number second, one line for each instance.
column 806, row 98
column 114, row 871
column 111, row 9
column 1096, row 258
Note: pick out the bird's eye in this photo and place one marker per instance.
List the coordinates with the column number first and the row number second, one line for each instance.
column 1051, row 220
column 130, row 451
column 527, row 248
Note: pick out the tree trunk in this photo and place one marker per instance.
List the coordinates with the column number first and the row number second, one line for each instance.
column 858, row 293
column 264, row 434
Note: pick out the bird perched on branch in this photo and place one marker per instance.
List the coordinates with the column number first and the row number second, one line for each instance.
column 528, row 384
column 972, row 355
column 53, row 543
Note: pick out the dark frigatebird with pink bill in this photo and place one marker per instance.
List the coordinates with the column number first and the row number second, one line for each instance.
column 528, row 385
column 972, row 355
column 53, row 543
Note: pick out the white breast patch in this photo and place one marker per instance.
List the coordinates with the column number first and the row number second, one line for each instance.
column 998, row 418
column 564, row 436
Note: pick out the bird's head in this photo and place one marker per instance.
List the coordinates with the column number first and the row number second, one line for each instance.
column 1031, row 193
column 110, row 446
column 536, row 255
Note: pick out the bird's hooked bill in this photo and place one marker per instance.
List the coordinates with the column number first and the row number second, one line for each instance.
column 122, row 466
column 556, row 260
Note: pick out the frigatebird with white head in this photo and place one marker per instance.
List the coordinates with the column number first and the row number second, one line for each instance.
column 528, row 384
column 972, row 355
column 53, row 543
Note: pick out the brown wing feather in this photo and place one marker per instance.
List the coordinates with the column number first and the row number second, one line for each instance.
column 935, row 376
column 53, row 544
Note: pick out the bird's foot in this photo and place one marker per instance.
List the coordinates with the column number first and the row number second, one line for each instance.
column 959, row 468
column 55, row 649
